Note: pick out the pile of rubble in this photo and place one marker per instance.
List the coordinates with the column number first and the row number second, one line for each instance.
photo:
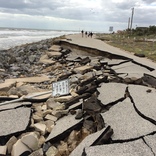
column 101, row 111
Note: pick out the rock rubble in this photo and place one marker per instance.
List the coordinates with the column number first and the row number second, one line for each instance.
column 102, row 112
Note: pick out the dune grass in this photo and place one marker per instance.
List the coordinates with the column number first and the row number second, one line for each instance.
column 135, row 44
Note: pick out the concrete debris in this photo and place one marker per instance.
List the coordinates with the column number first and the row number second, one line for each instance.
column 82, row 69
column 6, row 86
column 129, row 67
column 88, row 141
column 29, row 79
column 3, row 150
column 31, row 141
column 134, row 148
column 55, row 48
column 150, row 140
column 111, row 92
column 40, row 127
column 150, row 79
column 19, row 148
column 10, row 144
column 144, row 105
column 52, row 151
column 126, row 123
column 14, row 105
column 109, row 107
column 63, row 126
column 37, row 153
column 14, row 121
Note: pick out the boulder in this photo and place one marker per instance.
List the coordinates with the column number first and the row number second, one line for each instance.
column 52, row 151
column 49, row 125
column 3, row 150
column 31, row 141
column 37, row 153
column 63, row 148
column 10, row 144
column 19, row 148
column 51, row 117
column 40, row 127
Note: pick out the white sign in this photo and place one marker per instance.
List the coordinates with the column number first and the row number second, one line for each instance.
column 60, row 88
column 111, row 28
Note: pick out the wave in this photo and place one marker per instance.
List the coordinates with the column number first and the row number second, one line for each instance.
column 15, row 37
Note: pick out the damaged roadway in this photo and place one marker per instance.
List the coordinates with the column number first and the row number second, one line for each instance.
column 110, row 107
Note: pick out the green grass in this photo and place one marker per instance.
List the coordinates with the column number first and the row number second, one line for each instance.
column 133, row 44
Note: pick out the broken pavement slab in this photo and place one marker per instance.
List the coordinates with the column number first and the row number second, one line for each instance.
column 126, row 123
column 133, row 148
column 39, row 95
column 54, row 54
column 7, row 85
column 19, row 148
column 144, row 99
column 115, row 62
column 13, row 121
column 45, row 60
column 150, row 78
column 31, row 141
column 30, row 79
column 55, row 48
column 3, row 150
column 111, row 92
column 63, row 125
column 14, row 105
column 88, row 141
column 82, row 69
column 130, row 67
column 133, row 77
column 151, row 142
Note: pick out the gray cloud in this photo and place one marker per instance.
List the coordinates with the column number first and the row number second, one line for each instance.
column 99, row 11
column 149, row 1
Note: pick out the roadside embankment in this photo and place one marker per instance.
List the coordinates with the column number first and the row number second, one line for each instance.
column 108, row 105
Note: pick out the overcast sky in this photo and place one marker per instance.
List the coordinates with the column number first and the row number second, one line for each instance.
column 89, row 15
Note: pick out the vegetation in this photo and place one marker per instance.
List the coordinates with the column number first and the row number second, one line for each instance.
column 140, row 41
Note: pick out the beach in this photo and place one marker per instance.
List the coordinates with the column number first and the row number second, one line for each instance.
column 74, row 95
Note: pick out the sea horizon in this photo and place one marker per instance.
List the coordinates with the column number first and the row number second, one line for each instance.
column 11, row 37
column 22, row 28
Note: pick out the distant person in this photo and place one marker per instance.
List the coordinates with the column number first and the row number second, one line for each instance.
column 82, row 32
column 91, row 34
column 86, row 33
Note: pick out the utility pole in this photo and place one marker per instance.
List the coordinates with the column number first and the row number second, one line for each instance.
column 128, row 23
column 132, row 19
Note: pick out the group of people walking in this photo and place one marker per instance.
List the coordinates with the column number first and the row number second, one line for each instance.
column 87, row 34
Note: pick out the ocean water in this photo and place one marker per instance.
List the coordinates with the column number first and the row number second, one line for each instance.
column 11, row 37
